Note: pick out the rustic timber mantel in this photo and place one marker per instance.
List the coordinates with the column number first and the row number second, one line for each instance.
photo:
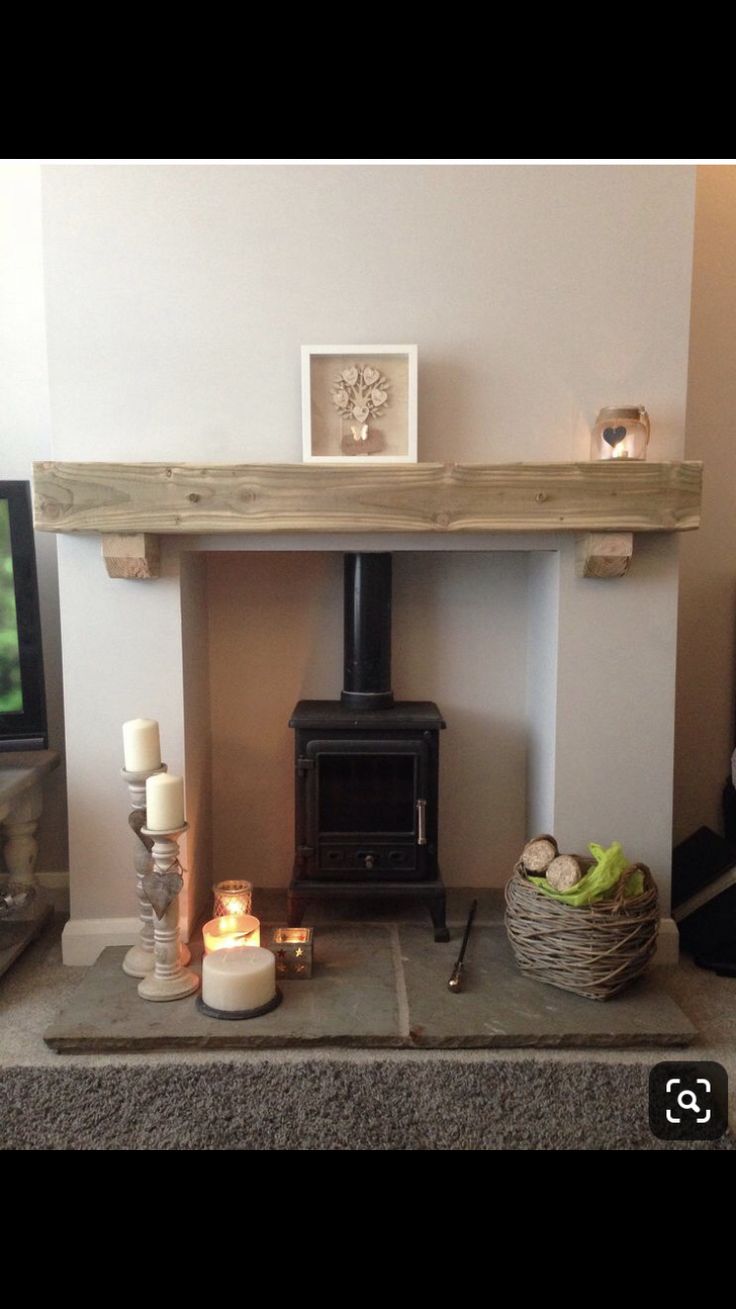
column 131, row 504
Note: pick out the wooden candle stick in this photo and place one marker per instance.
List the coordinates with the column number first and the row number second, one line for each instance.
column 169, row 980
column 138, row 962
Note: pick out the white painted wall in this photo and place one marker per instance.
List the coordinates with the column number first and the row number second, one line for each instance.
column 116, row 638
column 25, row 435
column 614, row 701
column 706, row 680
column 178, row 299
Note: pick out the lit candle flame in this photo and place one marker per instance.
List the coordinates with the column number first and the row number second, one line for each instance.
column 236, row 904
column 230, row 931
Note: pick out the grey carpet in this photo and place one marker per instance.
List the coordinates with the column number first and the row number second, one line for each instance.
column 330, row 1105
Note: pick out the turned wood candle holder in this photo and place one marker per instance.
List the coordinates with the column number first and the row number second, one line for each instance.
column 170, row 980
column 138, row 962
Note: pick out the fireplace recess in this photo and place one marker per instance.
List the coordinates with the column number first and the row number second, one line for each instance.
column 367, row 770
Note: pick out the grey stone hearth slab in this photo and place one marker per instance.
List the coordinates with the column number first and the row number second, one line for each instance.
column 501, row 1007
column 351, row 999
column 377, row 985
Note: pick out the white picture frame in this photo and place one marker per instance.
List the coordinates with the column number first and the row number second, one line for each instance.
column 331, row 429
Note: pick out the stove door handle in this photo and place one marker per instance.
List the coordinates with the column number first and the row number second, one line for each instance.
column 421, row 822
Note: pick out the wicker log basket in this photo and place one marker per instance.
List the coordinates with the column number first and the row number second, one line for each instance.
column 594, row 950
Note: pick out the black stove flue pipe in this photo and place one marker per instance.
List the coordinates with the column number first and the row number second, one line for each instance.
column 367, row 682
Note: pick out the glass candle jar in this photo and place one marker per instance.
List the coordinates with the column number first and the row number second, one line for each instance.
column 233, row 897
column 620, row 434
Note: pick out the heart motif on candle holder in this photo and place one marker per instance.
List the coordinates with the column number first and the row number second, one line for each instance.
column 613, row 436
column 137, row 820
column 161, row 888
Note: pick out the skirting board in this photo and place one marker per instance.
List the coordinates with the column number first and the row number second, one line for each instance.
column 84, row 939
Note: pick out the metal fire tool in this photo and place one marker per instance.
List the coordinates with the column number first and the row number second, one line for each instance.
column 456, row 981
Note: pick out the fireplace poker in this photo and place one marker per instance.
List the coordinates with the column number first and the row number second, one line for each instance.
column 456, row 981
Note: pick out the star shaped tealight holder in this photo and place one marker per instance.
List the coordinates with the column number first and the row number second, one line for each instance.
column 292, row 947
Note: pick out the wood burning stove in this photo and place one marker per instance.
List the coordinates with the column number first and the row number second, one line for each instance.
column 367, row 770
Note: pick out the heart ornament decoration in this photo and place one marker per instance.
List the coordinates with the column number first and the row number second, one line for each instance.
column 161, row 888
column 137, row 820
column 613, row 436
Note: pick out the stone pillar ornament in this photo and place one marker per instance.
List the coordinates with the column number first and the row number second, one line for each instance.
column 170, row 980
column 21, row 846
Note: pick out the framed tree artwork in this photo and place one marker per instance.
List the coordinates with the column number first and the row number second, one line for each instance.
column 359, row 403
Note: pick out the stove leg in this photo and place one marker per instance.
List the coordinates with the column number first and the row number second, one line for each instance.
column 294, row 910
column 437, row 909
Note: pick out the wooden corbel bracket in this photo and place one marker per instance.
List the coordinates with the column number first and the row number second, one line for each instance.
column 134, row 555
column 603, row 554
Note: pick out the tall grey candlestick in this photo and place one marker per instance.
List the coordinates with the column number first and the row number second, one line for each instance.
column 170, row 980
column 138, row 962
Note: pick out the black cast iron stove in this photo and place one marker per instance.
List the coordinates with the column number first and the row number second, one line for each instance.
column 367, row 770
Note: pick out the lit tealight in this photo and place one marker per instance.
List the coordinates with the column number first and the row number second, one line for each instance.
column 231, row 931
column 232, row 897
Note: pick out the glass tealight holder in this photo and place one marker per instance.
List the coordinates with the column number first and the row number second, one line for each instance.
column 233, row 897
column 620, row 434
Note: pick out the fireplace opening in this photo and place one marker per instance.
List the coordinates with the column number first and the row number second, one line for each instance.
column 264, row 629
column 367, row 770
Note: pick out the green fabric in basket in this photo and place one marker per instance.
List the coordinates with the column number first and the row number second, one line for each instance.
column 600, row 881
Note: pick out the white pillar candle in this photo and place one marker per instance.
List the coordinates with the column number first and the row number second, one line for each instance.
column 244, row 978
column 141, row 745
column 164, row 802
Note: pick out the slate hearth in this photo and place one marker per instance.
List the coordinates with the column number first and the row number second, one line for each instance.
column 379, row 984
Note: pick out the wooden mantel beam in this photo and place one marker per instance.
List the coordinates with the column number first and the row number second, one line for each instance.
column 155, row 498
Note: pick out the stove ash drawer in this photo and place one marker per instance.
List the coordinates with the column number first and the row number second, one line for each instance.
column 370, row 857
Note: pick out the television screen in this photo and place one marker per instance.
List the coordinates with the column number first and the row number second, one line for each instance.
column 11, row 689
column 22, row 698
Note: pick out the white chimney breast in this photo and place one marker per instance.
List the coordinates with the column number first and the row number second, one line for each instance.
column 178, row 298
